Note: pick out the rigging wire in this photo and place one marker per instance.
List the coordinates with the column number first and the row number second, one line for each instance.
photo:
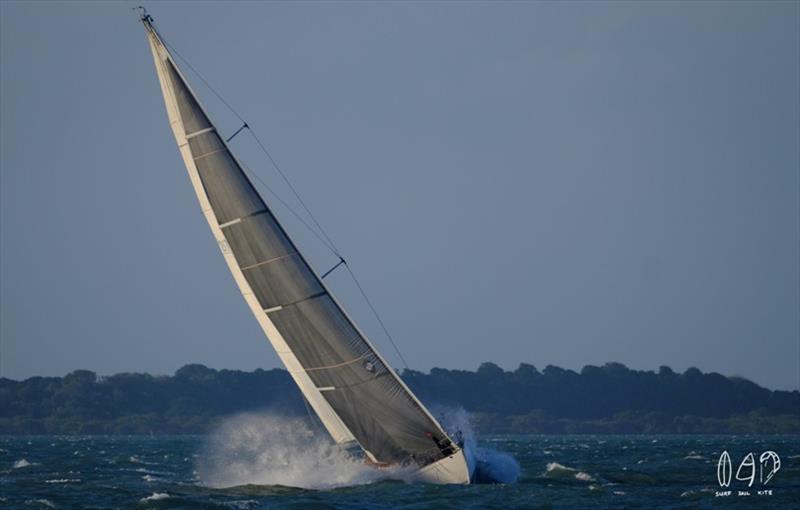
column 272, row 192
column 375, row 313
column 327, row 241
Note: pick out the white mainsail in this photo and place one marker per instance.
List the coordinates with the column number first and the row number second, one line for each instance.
column 355, row 393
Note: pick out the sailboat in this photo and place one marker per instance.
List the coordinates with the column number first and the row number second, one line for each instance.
column 361, row 401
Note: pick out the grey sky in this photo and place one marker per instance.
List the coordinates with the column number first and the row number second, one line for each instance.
column 551, row 183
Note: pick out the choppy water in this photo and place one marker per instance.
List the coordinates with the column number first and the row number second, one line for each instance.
column 243, row 467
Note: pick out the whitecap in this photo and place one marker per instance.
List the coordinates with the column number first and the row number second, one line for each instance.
column 556, row 470
column 63, row 480
column 694, row 457
column 152, row 472
column 619, row 493
column 156, row 496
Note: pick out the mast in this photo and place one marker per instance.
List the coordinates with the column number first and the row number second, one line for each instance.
column 353, row 390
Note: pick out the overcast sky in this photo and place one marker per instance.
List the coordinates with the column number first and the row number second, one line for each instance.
column 565, row 184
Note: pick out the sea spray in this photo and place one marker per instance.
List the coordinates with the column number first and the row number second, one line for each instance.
column 491, row 466
column 264, row 449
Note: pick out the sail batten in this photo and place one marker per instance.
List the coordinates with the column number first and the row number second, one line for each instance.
column 348, row 384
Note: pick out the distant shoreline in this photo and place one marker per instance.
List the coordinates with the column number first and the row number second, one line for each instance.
column 607, row 400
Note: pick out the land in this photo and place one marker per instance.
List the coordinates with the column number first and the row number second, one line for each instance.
column 610, row 399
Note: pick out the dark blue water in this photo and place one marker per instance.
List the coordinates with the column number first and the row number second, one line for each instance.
column 243, row 468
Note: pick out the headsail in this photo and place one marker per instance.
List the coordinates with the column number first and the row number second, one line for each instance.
column 349, row 385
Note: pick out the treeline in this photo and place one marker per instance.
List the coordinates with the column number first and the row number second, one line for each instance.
column 607, row 399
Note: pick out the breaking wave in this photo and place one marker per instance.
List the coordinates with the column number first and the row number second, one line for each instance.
column 263, row 449
column 156, row 496
column 560, row 471
column 23, row 463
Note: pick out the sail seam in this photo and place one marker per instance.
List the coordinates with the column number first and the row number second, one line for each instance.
column 257, row 264
column 229, row 223
column 200, row 132
column 327, row 367
column 237, row 220
column 201, row 156
column 365, row 381
column 279, row 307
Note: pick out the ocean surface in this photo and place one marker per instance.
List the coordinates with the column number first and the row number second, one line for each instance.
column 247, row 465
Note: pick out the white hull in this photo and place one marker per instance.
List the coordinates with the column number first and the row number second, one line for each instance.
column 450, row 470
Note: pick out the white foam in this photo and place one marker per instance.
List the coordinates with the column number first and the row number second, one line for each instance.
column 152, row 472
column 64, row 480
column 262, row 449
column 694, row 457
column 156, row 496
column 556, row 470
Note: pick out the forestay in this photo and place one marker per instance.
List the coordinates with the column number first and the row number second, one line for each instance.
column 352, row 389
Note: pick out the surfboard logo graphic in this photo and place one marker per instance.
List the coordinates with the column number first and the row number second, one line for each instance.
column 724, row 469
column 769, row 463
